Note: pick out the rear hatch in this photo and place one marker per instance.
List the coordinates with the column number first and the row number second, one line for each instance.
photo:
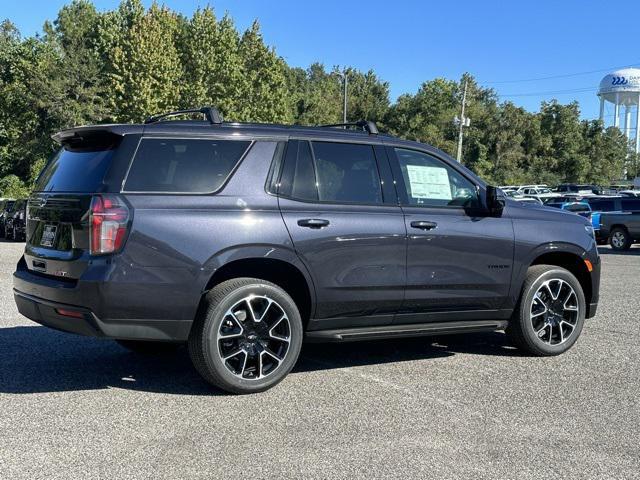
column 59, row 210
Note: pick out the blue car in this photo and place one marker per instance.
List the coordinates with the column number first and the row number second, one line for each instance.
column 582, row 208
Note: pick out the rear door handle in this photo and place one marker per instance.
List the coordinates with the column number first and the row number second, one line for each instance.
column 424, row 225
column 313, row 222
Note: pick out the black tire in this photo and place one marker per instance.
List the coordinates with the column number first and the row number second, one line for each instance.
column 521, row 330
column 147, row 347
column 206, row 347
column 619, row 239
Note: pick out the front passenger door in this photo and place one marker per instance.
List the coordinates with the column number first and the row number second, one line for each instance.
column 459, row 259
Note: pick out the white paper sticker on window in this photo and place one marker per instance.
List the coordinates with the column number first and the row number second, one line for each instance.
column 429, row 182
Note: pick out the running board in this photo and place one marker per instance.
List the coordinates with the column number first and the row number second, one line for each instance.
column 400, row 331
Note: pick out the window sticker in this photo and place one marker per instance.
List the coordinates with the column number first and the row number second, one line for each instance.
column 429, row 182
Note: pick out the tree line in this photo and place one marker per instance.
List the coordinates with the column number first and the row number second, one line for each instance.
column 124, row 64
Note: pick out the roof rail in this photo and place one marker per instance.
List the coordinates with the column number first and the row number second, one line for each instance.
column 365, row 125
column 211, row 113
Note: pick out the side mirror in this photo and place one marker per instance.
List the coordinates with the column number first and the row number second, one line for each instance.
column 495, row 203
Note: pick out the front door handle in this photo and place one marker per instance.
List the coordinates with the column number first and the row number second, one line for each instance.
column 424, row 225
column 313, row 222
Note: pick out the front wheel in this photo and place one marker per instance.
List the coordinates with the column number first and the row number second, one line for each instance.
column 620, row 239
column 247, row 337
column 550, row 315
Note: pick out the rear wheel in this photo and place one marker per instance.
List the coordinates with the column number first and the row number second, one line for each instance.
column 148, row 348
column 620, row 239
column 550, row 314
column 247, row 337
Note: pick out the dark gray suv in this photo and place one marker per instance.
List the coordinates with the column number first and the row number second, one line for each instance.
column 243, row 240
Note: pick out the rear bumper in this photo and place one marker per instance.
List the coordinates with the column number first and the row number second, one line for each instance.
column 39, row 297
column 45, row 312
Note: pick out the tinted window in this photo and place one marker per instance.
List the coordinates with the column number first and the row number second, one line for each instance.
column 432, row 182
column 346, row 173
column 298, row 175
column 630, row 204
column 183, row 165
column 577, row 207
column 603, row 205
column 75, row 171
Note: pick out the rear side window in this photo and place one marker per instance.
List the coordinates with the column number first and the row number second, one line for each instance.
column 603, row 205
column 183, row 165
column 347, row 173
column 331, row 172
column 75, row 170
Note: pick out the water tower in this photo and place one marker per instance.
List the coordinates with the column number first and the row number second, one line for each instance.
column 622, row 89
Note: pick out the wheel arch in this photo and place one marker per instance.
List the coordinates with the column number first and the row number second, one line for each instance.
column 572, row 262
column 290, row 277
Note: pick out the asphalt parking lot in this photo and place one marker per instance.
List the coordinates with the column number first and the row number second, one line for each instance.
column 452, row 407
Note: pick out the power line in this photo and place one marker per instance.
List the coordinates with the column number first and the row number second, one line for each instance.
column 550, row 92
column 567, row 75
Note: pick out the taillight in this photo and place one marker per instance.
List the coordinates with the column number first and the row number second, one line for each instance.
column 109, row 220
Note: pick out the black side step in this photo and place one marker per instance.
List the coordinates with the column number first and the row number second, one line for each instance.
column 399, row 331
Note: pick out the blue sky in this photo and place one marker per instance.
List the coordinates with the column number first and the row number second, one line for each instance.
column 408, row 42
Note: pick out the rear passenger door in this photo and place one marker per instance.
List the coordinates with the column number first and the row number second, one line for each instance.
column 341, row 210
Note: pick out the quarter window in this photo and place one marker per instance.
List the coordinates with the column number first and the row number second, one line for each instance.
column 431, row 182
column 183, row 165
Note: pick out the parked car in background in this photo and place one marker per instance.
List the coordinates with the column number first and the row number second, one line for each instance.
column 518, row 197
column 5, row 206
column 581, row 208
column 241, row 240
column 621, row 228
column 16, row 221
column 629, row 193
column 601, row 204
column 528, row 200
column 539, row 193
column 578, row 188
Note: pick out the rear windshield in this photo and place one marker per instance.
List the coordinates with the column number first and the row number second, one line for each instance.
column 73, row 170
column 183, row 165
column 578, row 208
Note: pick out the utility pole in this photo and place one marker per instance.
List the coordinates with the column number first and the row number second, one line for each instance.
column 345, row 80
column 462, row 123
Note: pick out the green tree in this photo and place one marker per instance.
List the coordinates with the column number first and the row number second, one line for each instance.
column 212, row 67
column 264, row 80
column 141, row 59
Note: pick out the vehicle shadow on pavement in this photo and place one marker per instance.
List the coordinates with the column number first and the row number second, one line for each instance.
column 38, row 360
column 319, row 356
